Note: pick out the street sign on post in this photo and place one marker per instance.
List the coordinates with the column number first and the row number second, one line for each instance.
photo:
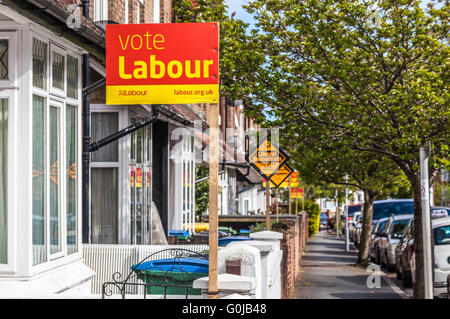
column 162, row 63
column 170, row 63
column 426, row 224
column 347, row 248
column 280, row 176
column 297, row 192
column 267, row 159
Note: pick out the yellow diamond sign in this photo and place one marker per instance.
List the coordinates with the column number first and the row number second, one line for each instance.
column 281, row 177
column 267, row 158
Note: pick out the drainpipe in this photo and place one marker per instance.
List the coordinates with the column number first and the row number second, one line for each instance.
column 86, row 138
column 86, row 154
column 86, row 5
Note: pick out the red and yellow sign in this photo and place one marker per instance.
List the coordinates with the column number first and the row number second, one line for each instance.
column 139, row 177
column 296, row 192
column 285, row 183
column 162, row 63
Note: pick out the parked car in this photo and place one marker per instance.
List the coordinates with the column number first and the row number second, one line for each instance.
column 358, row 231
column 352, row 225
column 441, row 232
column 374, row 252
column 391, row 207
column 390, row 238
column 404, row 253
column 323, row 220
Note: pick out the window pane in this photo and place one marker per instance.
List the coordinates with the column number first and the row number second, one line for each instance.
column 39, row 63
column 139, row 206
column 139, row 149
column 104, row 209
column 58, row 71
column 71, row 177
column 3, row 181
column 132, row 204
column 39, row 177
column 442, row 235
column 4, row 46
column 103, row 125
column 54, row 162
column 72, row 77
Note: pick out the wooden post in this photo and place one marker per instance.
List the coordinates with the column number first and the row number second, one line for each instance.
column 268, row 205
column 277, row 202
column 213, row 199
column 290, row 196
column 303, row 198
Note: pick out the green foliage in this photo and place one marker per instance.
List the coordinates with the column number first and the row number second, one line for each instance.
column 330, row 74
column 261, row 226
column 201, row 192
column 313, row 211
column 236, row 59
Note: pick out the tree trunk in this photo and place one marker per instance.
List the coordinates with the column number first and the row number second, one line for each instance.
column 363, row 253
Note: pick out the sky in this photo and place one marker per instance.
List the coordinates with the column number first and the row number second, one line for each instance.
column 236, row 6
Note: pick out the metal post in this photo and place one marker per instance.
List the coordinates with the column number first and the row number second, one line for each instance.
column 346, row 214
column 426, row 224
column 337, row 214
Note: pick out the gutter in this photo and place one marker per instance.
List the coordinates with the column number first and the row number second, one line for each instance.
column 55, row 20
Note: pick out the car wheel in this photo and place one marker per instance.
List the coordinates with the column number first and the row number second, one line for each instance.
column 407, row 278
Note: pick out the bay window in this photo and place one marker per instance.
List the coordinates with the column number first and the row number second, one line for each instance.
column 55, row 150
column 3, row 181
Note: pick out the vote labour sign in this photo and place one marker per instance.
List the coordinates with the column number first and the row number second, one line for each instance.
column 163, row 63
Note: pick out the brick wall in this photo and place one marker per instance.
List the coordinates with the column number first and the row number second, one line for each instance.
column 166, row 13
column 293, row 244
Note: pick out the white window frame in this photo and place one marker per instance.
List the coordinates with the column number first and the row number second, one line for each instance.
column 185, row 164
column 53, row 90
column 11, row 264
column 126, row 11
column 156, row 11
column 62, row 188
column 100, row 10
column 138, row 12
column 56, row 97
column 11, row 82
column 123, row 170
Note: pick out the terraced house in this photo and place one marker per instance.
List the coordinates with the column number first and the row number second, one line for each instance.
column 66, row 178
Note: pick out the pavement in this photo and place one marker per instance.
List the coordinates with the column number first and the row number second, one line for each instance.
column 330, row 272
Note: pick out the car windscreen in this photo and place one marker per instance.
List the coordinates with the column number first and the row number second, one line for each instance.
column 381, row 226
column 442, row 235
column 398, row 227
column 382, row 210
column 353, row 209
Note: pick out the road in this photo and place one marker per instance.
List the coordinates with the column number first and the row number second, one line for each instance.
column 329, row 272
